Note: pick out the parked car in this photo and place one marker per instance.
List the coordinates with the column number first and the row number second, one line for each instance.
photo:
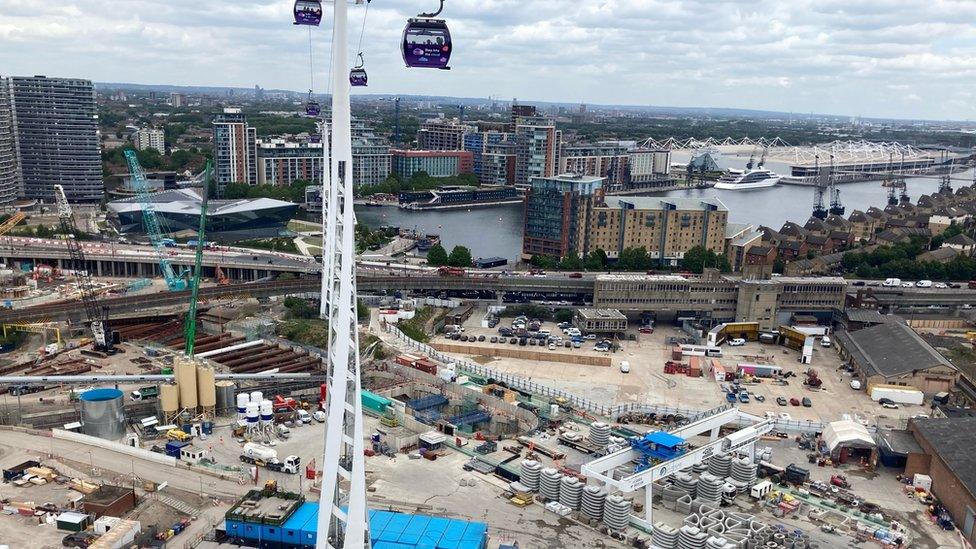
column 532, row 342
column 575, row 275
column 907, row 285
column 481, row 338
column 744, row 397
column 825, row 341
column 513, row 340
column 888, row 403
column 795, row 401
column 589, row 336
column 759, row 398
column 625, row 367
column 646, row 330
column 552, row 346
column 941, row 285
column 494, row 339
column 807, row 402
column 568, row 344
column 737, row 342
column 784, row 416
column 857, row 283
column 781, row 401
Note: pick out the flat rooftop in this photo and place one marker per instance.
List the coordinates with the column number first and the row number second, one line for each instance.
column 601, row 314
column 662, row 203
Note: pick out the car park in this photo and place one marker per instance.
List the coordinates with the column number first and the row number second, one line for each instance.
column 807, row 402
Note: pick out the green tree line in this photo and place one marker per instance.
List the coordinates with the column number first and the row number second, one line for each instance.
column 695, row 260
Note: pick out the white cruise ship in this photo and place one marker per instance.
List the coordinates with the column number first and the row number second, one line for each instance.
column 748, row 179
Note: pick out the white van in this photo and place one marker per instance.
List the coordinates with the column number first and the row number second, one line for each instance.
column 924, row 284
column 891, row 282
column 825, row 342
column 625, row 367
column 856, row 384
column 304, row 416
column 736, row 342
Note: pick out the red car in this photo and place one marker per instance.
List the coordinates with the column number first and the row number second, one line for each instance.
column 646, row 330
column 795, row 401
column 575, row 275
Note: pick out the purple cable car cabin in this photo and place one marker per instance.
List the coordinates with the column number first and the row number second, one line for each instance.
column 426, row 43
column 357, row 77
column 308, row 12
column 312, row 108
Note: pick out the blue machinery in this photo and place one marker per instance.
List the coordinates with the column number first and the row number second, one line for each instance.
column 653, row 448
column 173, row 281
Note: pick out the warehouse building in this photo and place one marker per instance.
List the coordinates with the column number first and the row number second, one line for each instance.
column 894, row 354
column 948, row 459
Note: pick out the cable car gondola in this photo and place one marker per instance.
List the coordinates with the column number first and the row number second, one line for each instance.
column 312, row 107
column 308, row 12
column 427, row 41
column 357, row 76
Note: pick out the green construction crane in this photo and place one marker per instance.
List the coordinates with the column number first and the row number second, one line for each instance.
column 190, row 327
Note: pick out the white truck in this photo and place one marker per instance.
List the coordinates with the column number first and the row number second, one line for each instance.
column 257, row 454
column 891, row 282
column 897, row 394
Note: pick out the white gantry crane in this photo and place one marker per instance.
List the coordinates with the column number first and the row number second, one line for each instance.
column 743, row 440
column 342, row 521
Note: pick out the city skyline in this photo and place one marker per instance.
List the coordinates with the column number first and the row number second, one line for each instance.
column 886, row 58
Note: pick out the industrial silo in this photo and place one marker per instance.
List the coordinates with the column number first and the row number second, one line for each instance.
column 207, row 390
column 186, row 378
column 103, row 413
column 225, row 397
column 169, row 397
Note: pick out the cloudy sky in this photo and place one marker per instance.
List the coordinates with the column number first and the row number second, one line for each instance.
column 892, row 58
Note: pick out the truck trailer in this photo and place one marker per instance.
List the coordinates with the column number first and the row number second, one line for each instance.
column 897, row 394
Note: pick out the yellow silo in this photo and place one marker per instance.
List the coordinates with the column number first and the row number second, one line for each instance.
column 206, row 389
column 169, row 395
column 186, row 378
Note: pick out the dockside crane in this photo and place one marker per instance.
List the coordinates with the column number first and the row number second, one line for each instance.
column 151, row 223
column 819, row 211
column 836, row 207
column 96, row 314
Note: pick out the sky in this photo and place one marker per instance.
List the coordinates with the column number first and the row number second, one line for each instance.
column 905, row 59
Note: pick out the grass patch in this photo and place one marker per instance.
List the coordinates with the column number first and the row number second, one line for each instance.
column 311, row 331
column 418, row 328
column 280, row 244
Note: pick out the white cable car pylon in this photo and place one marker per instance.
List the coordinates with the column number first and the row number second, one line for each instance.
column 342, row 521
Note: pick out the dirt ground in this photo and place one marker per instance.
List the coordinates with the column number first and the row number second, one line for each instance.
column 647, row 381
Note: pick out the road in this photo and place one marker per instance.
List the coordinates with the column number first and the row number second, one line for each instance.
column 191, row 481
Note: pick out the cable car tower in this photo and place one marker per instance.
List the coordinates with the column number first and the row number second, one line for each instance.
column 342, row 518
column 903, row 197
column 891, row 183
column 945, row 185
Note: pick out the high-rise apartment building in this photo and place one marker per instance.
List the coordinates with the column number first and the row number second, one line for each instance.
column 9, row 167
column 235, row 149
column 281, row 162
column 177, row 100
column 520, row 111
column 476, row 141
column 557, row 210
column 537, row 149
column 406, row 163
column 665, row 227
column 648, row 167
column 609, row 160
column 150, row 138
column 498, row 163
column 442, row 135
column 55, row 129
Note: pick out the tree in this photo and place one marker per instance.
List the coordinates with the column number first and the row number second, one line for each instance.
column 544, row 261
column 596, row 260
column 563, row 315
column 460, row 257
column 437, row 255
column 634, row 259
column 572, row 262
column 698, row 258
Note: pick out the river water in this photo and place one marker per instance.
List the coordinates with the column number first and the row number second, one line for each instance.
column 497, row 231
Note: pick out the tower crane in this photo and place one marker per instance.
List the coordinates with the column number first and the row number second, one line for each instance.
column 96, row 314
column 151, row 223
